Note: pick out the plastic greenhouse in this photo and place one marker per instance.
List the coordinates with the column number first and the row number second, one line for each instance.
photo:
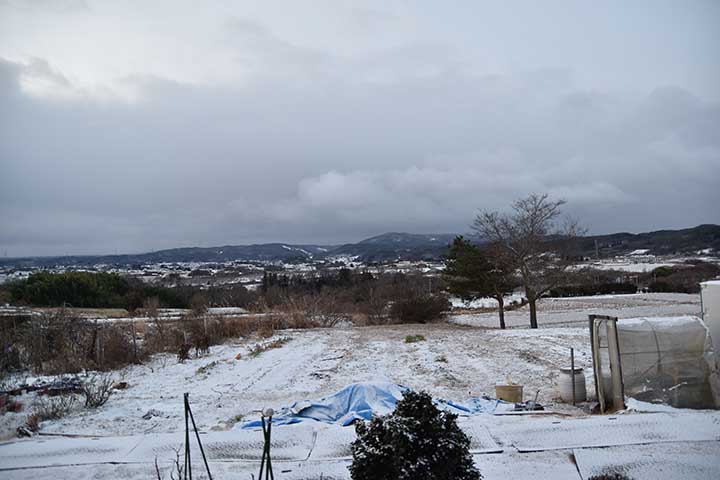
column 668, row 360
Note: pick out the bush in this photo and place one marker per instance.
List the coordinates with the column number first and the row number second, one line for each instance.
column 662, row 286
column 97, row 390
column 183, row 352
column 317, row 310
column 233, row 327
column 55, row 343
column 608, row 288
column 117, row 347
column 420, row 309
column 32, row 423
column 663, row 271
column 51, row 408
column 416, row 442
column 414, row 338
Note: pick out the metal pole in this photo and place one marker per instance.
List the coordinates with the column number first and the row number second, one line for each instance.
column 264, row 454
column 188, row 463
column 572, row 369
column 269, row 464
column 197, row 434
column 266, row 468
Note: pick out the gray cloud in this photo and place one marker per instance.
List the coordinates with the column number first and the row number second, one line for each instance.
column 313, row 144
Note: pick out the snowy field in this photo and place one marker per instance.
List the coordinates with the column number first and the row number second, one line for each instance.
column 464, row 357
column 457, row 360
column 637, row 262
column 574, row 311
column 454, row 362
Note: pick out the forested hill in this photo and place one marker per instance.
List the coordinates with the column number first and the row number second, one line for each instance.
column 390, row 247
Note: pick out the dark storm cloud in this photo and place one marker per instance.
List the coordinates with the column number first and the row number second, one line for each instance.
column 314, row 145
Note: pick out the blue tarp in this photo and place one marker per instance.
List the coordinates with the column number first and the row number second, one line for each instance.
column 363, row 401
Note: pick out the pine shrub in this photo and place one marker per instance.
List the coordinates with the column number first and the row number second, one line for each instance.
column 416, row 442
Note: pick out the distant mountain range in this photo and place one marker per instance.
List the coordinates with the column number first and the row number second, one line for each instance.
column 660, row 242
column 388, row 247
column 400, row 246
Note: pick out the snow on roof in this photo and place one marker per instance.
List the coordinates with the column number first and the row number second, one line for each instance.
column 640, row 251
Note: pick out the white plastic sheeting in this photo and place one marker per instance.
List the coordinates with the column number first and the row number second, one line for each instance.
column 668, row 360
column 710, row 297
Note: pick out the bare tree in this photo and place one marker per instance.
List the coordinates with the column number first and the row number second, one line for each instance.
column 536, row 239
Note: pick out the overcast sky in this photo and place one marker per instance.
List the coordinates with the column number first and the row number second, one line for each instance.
column 138, row 125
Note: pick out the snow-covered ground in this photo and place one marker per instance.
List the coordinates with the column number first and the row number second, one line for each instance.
column 626, row 266
column 455, row 361
column 651, row 446
column 574, row 311
column 638, row 262
column 485, row 302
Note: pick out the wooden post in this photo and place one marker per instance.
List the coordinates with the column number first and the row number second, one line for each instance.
column 98, row 354
column 134, row 337
column 572, row 369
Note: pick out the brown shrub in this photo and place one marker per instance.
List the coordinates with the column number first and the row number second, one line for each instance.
column 117, row 348
column 32, row 422
column 162, row 336
column 184, row 352
column 233, row 327
column 199, row 338
column 97, row 390
column 316, row 310
column 419, row 309
column 54, row 343
column 53, row 408
column 266, row 330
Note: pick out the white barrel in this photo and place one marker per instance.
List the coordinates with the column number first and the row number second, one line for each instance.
column 565, row 385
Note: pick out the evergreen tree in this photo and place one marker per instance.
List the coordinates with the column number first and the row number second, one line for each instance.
column 472, row 272
column 416, row 442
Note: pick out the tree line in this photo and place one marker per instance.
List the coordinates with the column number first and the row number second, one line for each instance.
column 533, row 247
column 110, row 290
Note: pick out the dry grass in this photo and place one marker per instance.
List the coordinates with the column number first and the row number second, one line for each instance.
column 63, row 343
column 51, row 408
